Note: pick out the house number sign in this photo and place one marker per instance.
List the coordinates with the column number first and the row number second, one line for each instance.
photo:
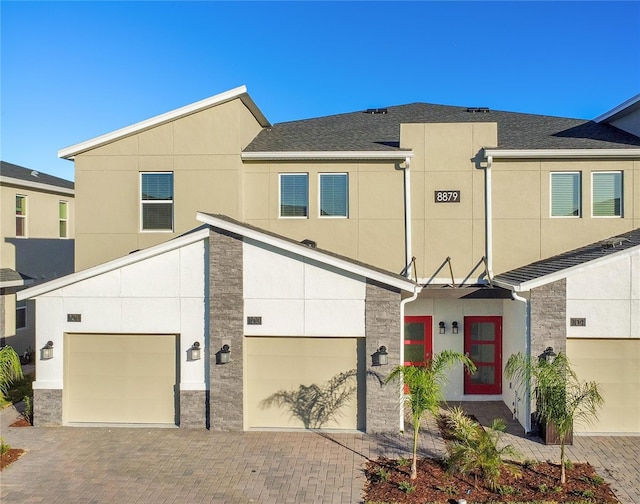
column 447, row 196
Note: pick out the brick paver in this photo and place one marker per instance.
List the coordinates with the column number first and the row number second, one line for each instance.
column 74, row 465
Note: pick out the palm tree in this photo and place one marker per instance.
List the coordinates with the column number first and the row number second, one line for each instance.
column 424, row 384
column 10, row 368
column 561, row 398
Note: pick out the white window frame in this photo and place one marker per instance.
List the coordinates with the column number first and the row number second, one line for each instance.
column 153, row 202
column 280, row 197
column 579, row 174
column 25, row 221
column 320, row 175
column 65, row 220
column 21, row 306
column 621, row 195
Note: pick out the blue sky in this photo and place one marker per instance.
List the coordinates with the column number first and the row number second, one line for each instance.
column 75, row 70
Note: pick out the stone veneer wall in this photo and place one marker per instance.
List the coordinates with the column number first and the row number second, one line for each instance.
column 549, row 318
column 382, row 326
column 193, row 409
column 226, row 315
column 47, row 407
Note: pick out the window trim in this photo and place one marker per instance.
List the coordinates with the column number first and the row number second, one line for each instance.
column 579, row 174
column 320, row 175
column 621, row 195
column 25, row 221
column 65, row 220
column 280, row 216
column 153, row 202
column 21, row 306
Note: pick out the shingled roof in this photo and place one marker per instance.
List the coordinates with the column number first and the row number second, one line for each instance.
column 28, row 175
column 369, row 131
column 574, row 258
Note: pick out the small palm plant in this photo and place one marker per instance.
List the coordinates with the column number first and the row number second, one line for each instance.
column 10, row 368
column 475, row 449
column 424, row 384
column 561, row 398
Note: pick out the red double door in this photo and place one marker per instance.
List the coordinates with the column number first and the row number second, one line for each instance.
column 482, row 344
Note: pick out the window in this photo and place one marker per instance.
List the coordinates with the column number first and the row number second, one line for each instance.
column 334, row 195
column 157, row 201
column 294, row 195
column 417, row 340
column 21, row 215
column 21, row 314
column 63, row 209
column 565, row 195
column 606, row 190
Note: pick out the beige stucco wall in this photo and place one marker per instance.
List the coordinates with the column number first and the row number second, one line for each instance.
column 203, row 152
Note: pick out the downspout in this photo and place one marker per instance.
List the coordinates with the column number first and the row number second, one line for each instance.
column 407, row 215
column 488, row 216
column 416, row 291
column 527, row 352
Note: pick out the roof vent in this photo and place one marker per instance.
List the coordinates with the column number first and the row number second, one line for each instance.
column 34, row 173
column 616, row 241
column 309, row 243
column 374, row 111
column 478, row 110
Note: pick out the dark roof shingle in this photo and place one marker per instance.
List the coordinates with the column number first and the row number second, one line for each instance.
column 28, row 175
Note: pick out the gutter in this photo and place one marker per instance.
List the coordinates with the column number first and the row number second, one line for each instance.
column 561, row 153
column 527, row 352
column 416, row 291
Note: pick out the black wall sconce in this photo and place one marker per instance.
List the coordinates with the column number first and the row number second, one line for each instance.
column 380, row 357
column 46, row 352
column 224, row 355
column 454, row 327
column 548, row 355
column 442, row 327
column 195, row 352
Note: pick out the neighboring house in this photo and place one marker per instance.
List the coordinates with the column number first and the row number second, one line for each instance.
column 37, row 244
column 452, row 197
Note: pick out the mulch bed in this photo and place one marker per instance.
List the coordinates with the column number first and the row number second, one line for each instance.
column 10, row 456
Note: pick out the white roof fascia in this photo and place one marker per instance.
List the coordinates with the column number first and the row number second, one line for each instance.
column 132, row 258
column 561, row 153
column 310, row 253
column 635, row 100
column 14, row 283
column 559, row 275
column 36, row 185
column 284, row 155
column 239, row 92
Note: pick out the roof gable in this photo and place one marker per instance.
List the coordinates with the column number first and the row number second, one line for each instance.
column 562, row 265
column 236, row 93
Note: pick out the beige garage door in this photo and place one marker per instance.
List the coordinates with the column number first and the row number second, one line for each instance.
column 294, row 382
column 120, row 378
column 614, row 364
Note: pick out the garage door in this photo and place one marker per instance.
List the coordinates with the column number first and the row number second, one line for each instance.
column 614, row 364
column 120, row 378
column 294, row 382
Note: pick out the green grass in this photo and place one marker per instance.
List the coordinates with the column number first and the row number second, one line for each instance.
column 18, row 391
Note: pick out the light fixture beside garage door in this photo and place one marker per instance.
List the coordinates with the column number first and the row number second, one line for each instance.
column 46, row 352
column 194, row 351
column 380, row 357
column 223, row 355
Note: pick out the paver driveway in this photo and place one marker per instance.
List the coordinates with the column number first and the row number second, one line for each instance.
column 139, row 465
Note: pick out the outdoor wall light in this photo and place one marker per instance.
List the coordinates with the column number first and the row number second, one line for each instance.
column 442, row 327
column 224, row 355
column 454, row 327
column 46, row 352
column 194, row 351
column 548, row 355
column 380, row 357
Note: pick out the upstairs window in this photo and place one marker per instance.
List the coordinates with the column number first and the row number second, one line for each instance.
column 334, row 195
column 156, row 201
column 606, row 194
column 565, row 195
column 63, row 219
column 21, row 314
column 21, row 215
column 294, row 195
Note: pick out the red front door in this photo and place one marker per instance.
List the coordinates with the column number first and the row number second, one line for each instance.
column 483, row 345
column 418, row 345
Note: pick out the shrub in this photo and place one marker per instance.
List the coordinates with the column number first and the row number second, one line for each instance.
column 406, row 487
column 4, row 448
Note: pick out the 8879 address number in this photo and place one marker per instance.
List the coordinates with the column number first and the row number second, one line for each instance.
column 447, row 196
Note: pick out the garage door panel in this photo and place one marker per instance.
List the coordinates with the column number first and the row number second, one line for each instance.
column 117, row 378
column 287, row 365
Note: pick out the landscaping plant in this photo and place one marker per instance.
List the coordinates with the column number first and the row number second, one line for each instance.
column 10, row 368
column 561, row 398
column 424, row 384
